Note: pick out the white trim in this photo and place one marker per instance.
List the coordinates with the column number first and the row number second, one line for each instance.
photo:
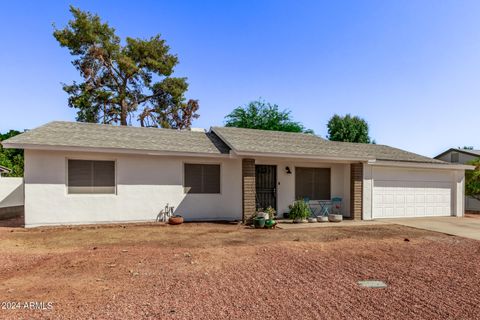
column 423, row 165
column 299, row 157
column 112, row 150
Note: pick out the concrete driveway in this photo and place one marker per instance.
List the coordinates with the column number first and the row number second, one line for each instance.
column 467, row 227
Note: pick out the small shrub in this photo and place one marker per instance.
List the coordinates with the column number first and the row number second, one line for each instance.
column 299, row 210
column 271, row 213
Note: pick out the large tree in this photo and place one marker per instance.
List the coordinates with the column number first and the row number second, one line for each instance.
column 472, row 180
column 348, row 129
column 123, row 80
column 11, row 158
column 263, row 115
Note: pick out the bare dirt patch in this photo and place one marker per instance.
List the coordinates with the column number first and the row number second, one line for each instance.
column 215, row 271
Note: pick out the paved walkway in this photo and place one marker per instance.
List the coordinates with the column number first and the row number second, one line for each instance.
column 288, row 224
column 467, row 227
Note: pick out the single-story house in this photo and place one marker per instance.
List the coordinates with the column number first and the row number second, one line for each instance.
column 462, row 156
column 77, row 173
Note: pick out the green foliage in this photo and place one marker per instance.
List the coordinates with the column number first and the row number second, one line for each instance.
column 299, row 210
column 271, row 212
column 262, row 115
column 472, row 180
column 348, row 129
column 118, row 79
column 11, row 158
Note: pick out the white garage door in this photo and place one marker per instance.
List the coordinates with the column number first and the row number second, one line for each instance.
column 397, row 198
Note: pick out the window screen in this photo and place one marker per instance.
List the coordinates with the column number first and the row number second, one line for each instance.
column 202, row 178
column 312, row 183
column 88, row 176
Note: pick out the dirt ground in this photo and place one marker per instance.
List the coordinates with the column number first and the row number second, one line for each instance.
column 218, row 271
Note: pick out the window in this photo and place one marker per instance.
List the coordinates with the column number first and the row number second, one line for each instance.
column 91, row 176
column 312, row 183
column 202, row 178
column 454, row 157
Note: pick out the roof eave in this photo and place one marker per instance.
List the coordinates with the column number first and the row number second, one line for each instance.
column 27, row 146
column 299, row 156
column 428, row 165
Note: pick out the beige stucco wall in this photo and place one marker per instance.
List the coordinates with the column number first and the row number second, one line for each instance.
column 145, row 184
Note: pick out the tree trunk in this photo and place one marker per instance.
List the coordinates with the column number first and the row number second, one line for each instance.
column 123, row 114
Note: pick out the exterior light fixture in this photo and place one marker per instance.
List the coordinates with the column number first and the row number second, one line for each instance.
column 287, row 170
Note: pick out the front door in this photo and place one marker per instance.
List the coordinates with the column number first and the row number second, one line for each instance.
column 266, row 185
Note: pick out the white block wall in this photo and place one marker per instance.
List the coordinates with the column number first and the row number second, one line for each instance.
column 11, row 192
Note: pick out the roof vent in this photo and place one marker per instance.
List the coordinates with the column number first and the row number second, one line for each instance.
column 197, row 130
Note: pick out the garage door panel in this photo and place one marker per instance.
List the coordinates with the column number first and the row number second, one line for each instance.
column 398, row 198
column 410, row 211
column 419, row 211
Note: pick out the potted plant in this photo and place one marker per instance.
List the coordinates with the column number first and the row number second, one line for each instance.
column 259, row 222
column 336, row 214
column 335, row 217
column 323, row 217
column 300, row 211
column 270, row 222
column 176, row 219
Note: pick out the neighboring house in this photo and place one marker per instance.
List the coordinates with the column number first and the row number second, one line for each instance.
column 90, row 173
column 458, row 155
column 462, row 156
column 4, row 170
column 11, row 195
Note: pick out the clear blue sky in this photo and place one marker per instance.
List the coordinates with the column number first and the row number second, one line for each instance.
column 410, row 68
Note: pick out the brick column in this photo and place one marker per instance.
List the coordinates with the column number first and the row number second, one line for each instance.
column 248, row 189
column 356, row 190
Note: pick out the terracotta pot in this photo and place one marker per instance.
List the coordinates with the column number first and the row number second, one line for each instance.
column 175, row 220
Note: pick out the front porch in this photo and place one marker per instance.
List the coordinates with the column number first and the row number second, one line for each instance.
column 279, row 182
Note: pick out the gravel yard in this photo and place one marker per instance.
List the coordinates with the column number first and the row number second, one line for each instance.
column 218, row 271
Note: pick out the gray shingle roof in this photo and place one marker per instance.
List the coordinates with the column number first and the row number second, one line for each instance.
column 301, row 144
column 89, row 135
column 465, row 151
column 216, row 142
